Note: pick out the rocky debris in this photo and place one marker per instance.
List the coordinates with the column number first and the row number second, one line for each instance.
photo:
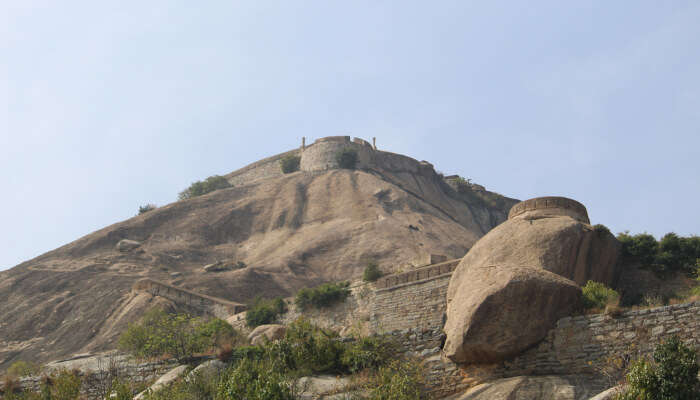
column 126, row 245
column 163, row 381
column 502, row 310
column 267, row 332
column 530, row 388
column 549, row 246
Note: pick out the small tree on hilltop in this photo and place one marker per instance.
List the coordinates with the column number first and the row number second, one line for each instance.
column 148, row 207
column 347, row 158
column 290, row 163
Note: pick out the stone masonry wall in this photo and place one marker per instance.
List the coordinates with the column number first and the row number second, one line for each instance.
column 266, row 168
column 219, row 308
column 410, row 307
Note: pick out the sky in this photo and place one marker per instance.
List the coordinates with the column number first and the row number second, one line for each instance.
column 106, row 106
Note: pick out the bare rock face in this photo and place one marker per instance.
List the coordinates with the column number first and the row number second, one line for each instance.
column 531, row 388
column 548, row 234
column 501, row 310
column 125, row 245
column 267, row 332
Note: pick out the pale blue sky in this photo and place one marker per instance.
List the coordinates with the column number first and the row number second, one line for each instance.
column 107, row 107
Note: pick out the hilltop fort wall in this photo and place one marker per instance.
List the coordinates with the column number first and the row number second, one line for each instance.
column 321, row 156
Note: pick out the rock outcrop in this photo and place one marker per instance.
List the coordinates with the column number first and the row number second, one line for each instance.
column 531, row 388
column 548, row 244
column 502, row 310
column 269, row 332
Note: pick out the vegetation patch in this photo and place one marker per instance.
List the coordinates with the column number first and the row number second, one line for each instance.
column 371, row 272
column 597, row 296
column 321, row 296
column 262, row 312
column 199, row 188
column 146, row 208
column 178, row 335
column 672, row 374
column 290, row 163
column 347, row 158
column 670, row 254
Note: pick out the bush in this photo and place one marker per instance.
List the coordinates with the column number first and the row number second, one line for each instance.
column 597, row 295
column 147, row 208
column 290, row 163
column 672, row 375
column 22, row 368
column 256, row 380
column 371, row 272
column 263, row 312
column 199, row 188
column 368, row 353
column 400, row 380
column 322, row 296
column 347, row 158
column 178, row 335
column 601, row 229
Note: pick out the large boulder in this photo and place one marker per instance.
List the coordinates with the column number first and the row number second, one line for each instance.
column 552, row 233
column 501, row 310
column 267, row 332
column 165, row 380
column 550, row 246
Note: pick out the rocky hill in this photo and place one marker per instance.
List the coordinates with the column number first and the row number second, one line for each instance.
column 290, row 231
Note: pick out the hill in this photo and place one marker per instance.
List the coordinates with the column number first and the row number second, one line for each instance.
column 291, row 231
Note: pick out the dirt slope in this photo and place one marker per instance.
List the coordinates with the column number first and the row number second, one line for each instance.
column 292, row 231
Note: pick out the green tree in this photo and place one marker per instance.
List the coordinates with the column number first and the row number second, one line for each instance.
column 321, row 296
column 597, row 295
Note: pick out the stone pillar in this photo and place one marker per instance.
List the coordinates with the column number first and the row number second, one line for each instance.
column 374, row 143
column 303, row 142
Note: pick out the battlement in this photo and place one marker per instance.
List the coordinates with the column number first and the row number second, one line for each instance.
column 550, row 206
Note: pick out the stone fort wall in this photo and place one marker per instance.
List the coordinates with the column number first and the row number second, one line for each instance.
column 320, row 156
column 219, row 308
column 411, row 307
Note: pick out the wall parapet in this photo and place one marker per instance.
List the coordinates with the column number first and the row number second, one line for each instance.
column 417, row 274
column 214, row 306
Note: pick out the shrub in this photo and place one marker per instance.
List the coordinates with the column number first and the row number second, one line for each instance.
column 22, row 368
column 147, row 208
column 399, row 380
column 263, row 312
column 347, row 158
column 321, row 296
column 371, row 272
column 672, row 375
column 199, row 188
column 255, row 380
column 290, row 163
column 62, row 385
column 368, row 353
column 178, row 335
column 308, row 349
column 597, row 295
column 601, row 229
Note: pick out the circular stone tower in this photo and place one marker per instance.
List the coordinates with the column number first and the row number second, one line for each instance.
column 321, row 155
column 541, row 207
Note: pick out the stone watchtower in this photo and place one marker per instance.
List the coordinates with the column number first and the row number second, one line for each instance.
column 321, row 155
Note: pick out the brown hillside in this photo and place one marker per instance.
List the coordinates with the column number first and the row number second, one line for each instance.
column 292, row 231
